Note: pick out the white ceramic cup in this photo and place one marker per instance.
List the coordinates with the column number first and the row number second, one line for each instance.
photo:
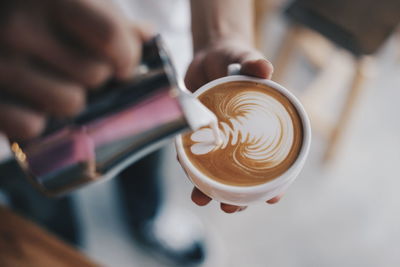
column 244, row 195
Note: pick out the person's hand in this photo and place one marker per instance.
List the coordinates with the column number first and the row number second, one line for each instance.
column 202, row 199
column 212, row 63
column 51, row 51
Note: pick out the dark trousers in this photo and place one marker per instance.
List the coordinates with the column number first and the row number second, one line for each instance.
column 140, row 189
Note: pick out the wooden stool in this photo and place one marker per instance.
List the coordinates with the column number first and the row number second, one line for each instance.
column 320, row 29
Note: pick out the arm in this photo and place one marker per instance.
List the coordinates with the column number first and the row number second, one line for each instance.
column 213, row 21
column 223, row 33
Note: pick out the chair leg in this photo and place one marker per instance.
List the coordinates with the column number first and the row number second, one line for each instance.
column 284, row 56
column 316, row 48
column 398, row 44
column 357, row 83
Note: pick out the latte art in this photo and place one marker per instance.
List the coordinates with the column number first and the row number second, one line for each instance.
column 258, row 125
column 260, row 131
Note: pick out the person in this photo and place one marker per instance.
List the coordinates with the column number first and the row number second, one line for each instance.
column 52, row 52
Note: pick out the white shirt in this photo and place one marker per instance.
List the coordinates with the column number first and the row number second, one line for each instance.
column 170, row 18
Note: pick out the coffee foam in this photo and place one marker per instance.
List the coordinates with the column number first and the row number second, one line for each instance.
column 260, row 129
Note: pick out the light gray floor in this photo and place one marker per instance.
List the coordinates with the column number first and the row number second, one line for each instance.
column 343, row 214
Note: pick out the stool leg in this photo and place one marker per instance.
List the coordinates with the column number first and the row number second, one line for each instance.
column 359, row 78
column 288, row 46
column 398, row 44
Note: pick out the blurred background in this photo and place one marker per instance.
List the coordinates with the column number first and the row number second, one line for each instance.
column 343, row 208
column 343, row 62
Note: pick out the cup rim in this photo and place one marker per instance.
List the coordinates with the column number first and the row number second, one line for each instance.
column 306, row 142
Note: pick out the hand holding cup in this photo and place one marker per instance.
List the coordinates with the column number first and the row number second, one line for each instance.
column 208, row 179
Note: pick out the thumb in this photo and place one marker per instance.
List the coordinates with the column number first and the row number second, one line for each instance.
column 254, row 64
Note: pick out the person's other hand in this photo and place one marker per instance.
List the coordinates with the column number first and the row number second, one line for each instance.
column 212, row 63
column 202, row 199
column 51, row 51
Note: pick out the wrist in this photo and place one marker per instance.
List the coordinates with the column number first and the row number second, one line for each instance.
column 216, row 41
column 216, row 21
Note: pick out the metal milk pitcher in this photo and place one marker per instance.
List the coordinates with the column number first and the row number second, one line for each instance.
column 122, row 122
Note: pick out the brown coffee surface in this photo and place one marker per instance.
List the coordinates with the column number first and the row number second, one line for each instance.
column 261, row 129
